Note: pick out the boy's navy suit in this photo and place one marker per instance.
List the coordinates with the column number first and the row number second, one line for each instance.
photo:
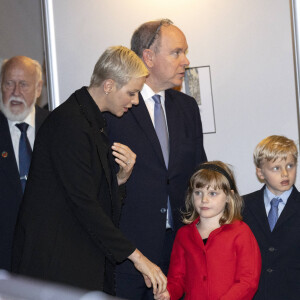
column 280, row 249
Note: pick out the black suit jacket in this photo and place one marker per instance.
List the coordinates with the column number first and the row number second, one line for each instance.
column 10, row 187
column 67, row 227
column 280, row 249
column 143, row 218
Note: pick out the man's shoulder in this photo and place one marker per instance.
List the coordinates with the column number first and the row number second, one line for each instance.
column 179, row 95
column 3, row 119
column 183, row 101
column 4, row 129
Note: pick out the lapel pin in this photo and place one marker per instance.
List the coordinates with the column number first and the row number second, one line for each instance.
column 4, row 154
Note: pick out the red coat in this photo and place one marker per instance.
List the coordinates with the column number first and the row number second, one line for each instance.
column 226, row 268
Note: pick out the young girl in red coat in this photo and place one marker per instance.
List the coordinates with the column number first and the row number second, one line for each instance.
column 215, row 256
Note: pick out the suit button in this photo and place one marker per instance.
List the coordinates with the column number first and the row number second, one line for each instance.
column 269, row 270
column 271, row 249
column 204, row 278
column 163, row 210
column 168, row 181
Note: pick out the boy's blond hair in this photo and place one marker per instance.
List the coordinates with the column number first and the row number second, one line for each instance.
column 274, row 147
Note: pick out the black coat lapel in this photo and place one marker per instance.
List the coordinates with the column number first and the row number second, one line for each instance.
column 103, row 151
column 141, row 114
column 173, row 124
column 8, row 163
column 290, row 208
column 257, row 207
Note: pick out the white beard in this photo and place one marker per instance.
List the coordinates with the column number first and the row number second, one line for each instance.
column 13, row 116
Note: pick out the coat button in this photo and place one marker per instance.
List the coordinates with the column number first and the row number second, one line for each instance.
column 271, row 249
column 269, row 270
column 168, row 181
column 204, row 278
column 163, row 210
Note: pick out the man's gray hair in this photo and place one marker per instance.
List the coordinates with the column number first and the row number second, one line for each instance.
column 145, row 36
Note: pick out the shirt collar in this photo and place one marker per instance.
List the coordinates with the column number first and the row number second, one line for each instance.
column 284, row 196
column 148, row 93
column 30, row 120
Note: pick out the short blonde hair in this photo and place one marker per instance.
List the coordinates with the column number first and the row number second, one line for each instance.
column 207, row 177
column 274, row 147
column 119, row 64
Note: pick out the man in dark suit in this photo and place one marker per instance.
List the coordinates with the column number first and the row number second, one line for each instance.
column 273, row 215
column 21, row 85
column 167, row 138
column 67, row 229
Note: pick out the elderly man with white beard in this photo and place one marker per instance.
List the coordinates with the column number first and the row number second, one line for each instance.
column 21, row 85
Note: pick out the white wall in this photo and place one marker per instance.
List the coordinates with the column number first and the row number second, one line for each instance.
column 247, row 44
column 21, row 32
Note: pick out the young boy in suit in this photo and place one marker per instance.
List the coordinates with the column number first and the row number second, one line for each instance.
column 273, row 214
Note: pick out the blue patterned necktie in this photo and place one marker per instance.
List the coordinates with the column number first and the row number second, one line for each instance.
column 163, row 136
column 273, row 213
column 25, row 153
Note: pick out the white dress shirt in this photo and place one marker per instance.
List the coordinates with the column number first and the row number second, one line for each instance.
column 147, row 94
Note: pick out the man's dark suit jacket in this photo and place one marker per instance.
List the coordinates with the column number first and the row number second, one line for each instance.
column 66, row 231
column 280, row 249
column 10, row 187
column 143, row 218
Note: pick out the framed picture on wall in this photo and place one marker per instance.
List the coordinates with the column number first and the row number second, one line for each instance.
column 197, row 84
